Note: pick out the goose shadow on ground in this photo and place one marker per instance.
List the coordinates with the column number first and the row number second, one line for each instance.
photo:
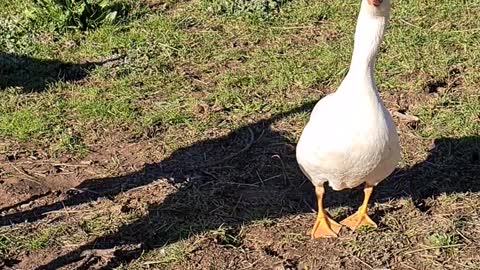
column 236, row 159
column 34, row 75
column 260, row 179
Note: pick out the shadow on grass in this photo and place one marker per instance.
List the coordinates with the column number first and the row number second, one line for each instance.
column 34, row 75
column 452, row 166
column 260, row 179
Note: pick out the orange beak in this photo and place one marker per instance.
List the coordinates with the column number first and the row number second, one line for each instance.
column 375, row 2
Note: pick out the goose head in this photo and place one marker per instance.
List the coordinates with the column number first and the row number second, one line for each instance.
column 377, row 7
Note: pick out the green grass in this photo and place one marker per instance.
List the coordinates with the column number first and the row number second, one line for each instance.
column 226, row 236
column 246, row 58
column 29, row 240
column 22, row 124
column 455, row 115
column 42, row 240
column 162, row 257
column 5, row 243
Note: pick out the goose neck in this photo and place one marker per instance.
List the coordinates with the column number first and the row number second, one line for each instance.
column 369, row 32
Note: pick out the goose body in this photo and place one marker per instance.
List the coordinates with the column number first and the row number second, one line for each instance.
column 350, row 137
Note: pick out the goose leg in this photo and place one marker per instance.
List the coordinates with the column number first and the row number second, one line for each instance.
column 361, row 217
column 324, row 225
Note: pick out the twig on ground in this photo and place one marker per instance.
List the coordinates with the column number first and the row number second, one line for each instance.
column 109, row 253
column 27, row 175
column 408, row 266
column 363, row 262
column 406, row 117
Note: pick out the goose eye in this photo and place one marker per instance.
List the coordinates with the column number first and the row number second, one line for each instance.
column 375, row 2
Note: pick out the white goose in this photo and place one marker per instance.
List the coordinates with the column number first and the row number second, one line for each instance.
column 350, row 138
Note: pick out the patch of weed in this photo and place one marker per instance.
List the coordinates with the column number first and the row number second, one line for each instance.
column 163, row 257
column 91, row 226
column 174, row 253
column 6, row 243
column 259, row 9
column 228, row 237
column 442, row 239
column 41, row 240
column 69, row 142
column 76, row 14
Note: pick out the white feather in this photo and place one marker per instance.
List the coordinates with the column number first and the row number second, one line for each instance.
column 350, row 137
